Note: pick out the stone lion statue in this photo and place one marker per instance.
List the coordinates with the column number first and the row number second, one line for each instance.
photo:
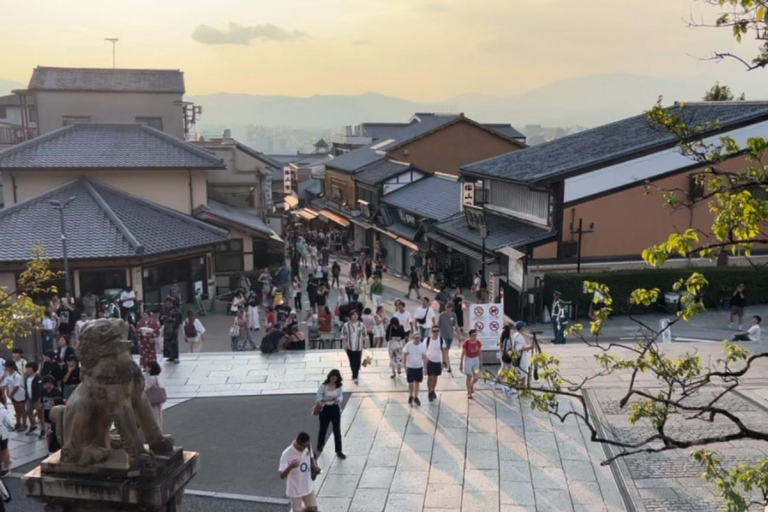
column 111, row 391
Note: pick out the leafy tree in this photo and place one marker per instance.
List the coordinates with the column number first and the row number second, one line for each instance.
column 685, row 387
column 19, row 314
column 745, row 18
column 720, row 93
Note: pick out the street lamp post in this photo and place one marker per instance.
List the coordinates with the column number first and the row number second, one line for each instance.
column 58, row 205
column 483, row 236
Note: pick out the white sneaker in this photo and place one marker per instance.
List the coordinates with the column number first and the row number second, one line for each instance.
column 730, row 325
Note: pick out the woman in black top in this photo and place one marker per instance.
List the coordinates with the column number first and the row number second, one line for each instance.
column 71, row 378
column 458, row 307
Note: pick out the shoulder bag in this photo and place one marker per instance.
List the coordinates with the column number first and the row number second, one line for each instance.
column 156, row 395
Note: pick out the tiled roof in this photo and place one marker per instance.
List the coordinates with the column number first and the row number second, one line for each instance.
column 505, row 129
column 434, row 197
column 309, row 189
column 382, row 131
column 365, row 156
column 609, row 143
column 15, row 100
column 101, row 222
column 107, row 146
column 107, row 80
column 502, row 232
column 403, row 230
column 380, row 171
column 355, row 159
column 234, row 215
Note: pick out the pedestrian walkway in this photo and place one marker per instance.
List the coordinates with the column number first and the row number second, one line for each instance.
column 490, row 454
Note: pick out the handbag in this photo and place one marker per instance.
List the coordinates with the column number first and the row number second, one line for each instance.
column 234, row 331
column 156, row 395
column 316, row 409
column 314, row 469
column 367, row 358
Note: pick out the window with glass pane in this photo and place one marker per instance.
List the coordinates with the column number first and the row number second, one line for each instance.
column 239, row 197
column 228, row 256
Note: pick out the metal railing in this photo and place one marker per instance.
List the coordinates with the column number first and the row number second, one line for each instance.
column 15, row 135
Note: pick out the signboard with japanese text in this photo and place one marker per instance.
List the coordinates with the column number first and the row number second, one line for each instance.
column 287, row 179
column 487, row 320
column 467, row 194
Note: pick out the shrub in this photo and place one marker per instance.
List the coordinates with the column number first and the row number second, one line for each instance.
column 722, row 283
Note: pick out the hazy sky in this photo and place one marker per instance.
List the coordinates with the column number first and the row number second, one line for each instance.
column 422, row 50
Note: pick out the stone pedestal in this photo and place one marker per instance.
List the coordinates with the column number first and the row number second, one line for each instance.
column 115, row 487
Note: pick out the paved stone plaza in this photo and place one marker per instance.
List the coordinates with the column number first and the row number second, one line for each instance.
column 492, row 453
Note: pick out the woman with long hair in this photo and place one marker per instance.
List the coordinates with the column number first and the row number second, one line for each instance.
column 395, row 334
column 329, row 397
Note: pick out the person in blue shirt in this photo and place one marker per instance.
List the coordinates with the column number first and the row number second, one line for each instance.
column 284, row 278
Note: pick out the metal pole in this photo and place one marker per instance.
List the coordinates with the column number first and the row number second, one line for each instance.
column 67, row 287
column 578, row 257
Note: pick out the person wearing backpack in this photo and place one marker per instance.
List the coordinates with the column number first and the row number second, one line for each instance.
column 194, row 332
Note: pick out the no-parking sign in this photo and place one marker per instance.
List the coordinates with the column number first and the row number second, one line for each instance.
column 487, row 320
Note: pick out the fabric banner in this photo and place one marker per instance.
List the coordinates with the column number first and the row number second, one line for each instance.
column 487, row 320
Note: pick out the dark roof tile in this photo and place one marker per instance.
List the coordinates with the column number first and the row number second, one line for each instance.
column 105, row 146
column 608, row 143
column 107, row 80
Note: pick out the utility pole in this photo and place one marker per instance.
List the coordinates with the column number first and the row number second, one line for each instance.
column 114, row 41
column 58, row 205
column 580, row 232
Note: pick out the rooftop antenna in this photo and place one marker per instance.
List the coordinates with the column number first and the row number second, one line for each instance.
column 114, row 41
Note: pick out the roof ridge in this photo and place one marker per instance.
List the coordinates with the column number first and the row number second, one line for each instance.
column 158, row 207
column 36, row 140
column 109, row 69
column 37, row 198
column 137, row 246
column 180, row 143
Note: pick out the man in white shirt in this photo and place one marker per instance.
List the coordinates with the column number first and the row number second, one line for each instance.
column 403, row 317
column 434, row 360
column 415, row 353
column 751, row 334
column 424, row 316
column 295, row 468
column 127, row 298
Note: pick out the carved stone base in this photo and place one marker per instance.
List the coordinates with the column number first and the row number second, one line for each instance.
column 159, row 490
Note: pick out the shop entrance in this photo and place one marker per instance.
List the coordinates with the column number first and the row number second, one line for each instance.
column 158, row 280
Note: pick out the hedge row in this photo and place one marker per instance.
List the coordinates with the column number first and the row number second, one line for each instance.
column 722, row 283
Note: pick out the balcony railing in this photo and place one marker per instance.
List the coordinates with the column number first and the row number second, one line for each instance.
column 14, row 135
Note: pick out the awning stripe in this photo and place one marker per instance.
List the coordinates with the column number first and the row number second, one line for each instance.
column 338, row 219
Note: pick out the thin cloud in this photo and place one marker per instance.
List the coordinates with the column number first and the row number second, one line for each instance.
column 243, row 35
column 360, row 42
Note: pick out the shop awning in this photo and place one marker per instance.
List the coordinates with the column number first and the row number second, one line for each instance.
column 398, row 239
column 338, row 219
column 460, row 248
column 407, row 243
column 362, row 223
column 305, row 213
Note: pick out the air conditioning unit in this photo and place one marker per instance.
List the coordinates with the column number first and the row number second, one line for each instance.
column 570, row 248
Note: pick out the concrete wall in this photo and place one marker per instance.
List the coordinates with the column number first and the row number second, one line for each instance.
column 242, row 169
column 344, row 182
column 109, row 107
column 628, row 221
column 169, row 188
column 8, row 281
column 448, row 149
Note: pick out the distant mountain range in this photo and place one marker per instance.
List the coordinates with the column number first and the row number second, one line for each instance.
column 588, row 101
column 6, row 86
